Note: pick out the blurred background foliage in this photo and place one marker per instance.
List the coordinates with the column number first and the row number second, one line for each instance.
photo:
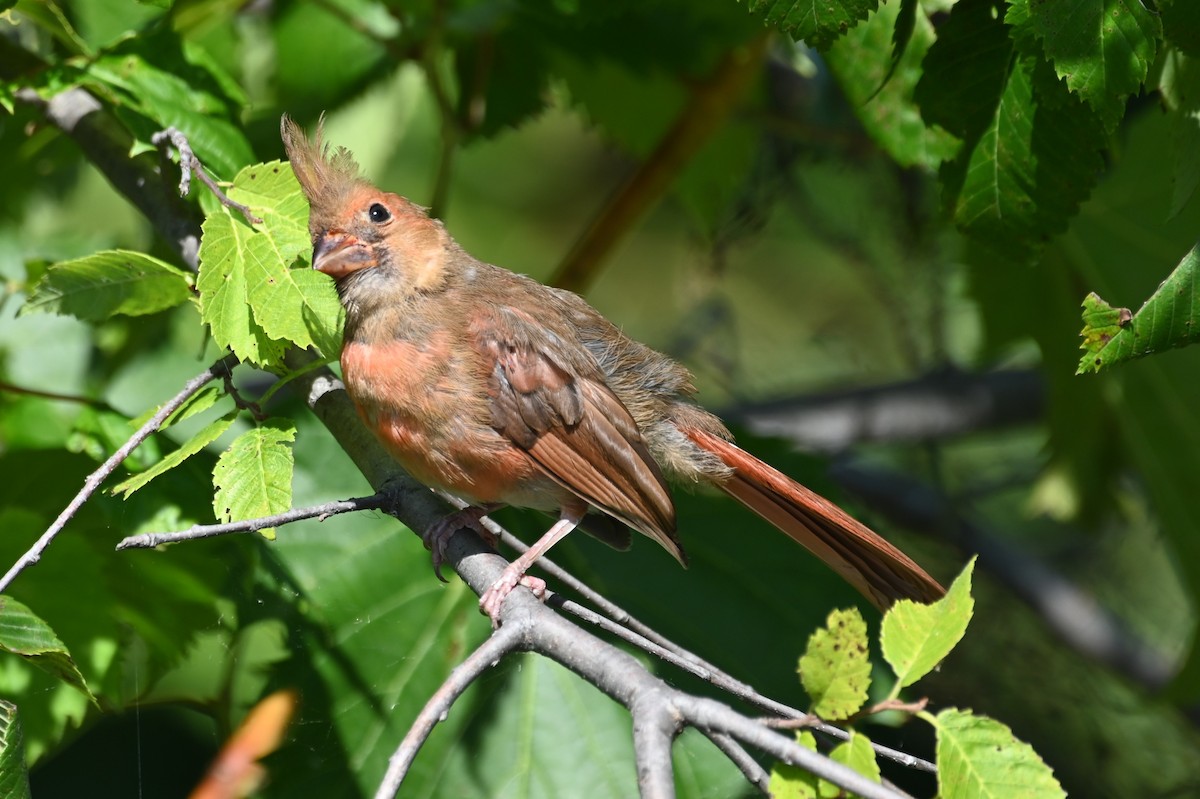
column 810, row 251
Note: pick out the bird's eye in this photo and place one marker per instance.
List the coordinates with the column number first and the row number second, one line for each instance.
column 378, row 213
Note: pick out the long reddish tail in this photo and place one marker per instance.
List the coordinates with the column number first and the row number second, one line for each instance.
column 869, row 563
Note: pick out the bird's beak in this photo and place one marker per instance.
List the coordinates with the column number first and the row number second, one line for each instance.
column 339, row 254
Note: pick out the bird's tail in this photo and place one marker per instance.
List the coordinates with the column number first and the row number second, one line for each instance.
column 869, row 563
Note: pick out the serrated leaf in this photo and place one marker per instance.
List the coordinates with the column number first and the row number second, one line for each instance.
column 1103, row 49
column 980, row 757
column 793, row 782
column 916, row 637
column 835, row 668
column 881, row 94
column 249, row 294
column 253, row 478
column 100, row 286
column 1026, row 174
column 817, row 22
column 23, row 633
column 856, row 753
column 14, row 776
column 156, row 82
column 1168, row 319
column 193, row 445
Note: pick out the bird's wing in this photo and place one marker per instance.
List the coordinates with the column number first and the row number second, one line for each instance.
column 548, row 397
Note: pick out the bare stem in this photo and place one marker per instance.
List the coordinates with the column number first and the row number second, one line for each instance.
column 199, row 531
column 34, row 554
column 190, row 165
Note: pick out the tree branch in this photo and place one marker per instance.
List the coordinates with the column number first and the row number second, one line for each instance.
column 34, row 553
column 935, row 406
column 707, row 110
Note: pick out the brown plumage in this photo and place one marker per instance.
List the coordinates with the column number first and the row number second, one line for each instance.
column 503, row 391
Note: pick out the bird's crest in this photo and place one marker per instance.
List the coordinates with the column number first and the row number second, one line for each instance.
column 326, row 178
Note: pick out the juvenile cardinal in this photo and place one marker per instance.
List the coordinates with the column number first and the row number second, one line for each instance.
column 503, row 391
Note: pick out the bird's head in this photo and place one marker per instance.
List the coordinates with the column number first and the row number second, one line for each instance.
column 356, row 227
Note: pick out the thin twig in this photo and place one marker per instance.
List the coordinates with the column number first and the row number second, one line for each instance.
column 199, row 531
column 190, row 165
column 619, row 622
column 34, row 554
column 487, row 655
column 755, row 774
column 241, row 402
column 9, row 388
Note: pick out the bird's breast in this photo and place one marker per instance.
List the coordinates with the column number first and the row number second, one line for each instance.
column 429, row 409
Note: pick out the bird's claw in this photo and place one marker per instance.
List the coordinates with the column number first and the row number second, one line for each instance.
column 493, row 599
column 437, row 536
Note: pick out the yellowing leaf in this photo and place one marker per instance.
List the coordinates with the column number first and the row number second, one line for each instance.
column 835, row 668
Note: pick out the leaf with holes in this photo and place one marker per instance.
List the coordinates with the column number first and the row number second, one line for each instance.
column 835, row 668
column 1168, row 319
column 253, row 478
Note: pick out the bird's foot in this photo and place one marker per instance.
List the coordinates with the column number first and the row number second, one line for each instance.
column 439, row 533
column 512, row 576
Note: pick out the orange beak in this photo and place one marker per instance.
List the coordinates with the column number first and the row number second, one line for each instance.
column 339, row 254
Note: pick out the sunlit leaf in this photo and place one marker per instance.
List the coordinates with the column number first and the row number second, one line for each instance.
column 23, row 633
column 979, row 758
column 97, row 287
column 14, row 776
column 253, row 478
column 836, row 666
column 917, row 637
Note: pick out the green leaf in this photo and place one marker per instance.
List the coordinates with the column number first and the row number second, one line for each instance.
column 157, row 83
column 23, row 633
column 1103, row 49
column 249, row 294
column 193, row 445
column 253, row 478
column 199, row 402
column 855, row 752
column 817, row 22
column 100, row 286
column 884, row 104
column 793, row 782
column 835, row 668
column 1025, row 176
column 916, row 637
column 14, row 776
column 980, row 757
column 1168, row 319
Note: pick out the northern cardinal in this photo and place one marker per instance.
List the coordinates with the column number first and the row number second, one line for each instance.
column 502, row 391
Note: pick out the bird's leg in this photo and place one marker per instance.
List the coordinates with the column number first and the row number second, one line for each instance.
column 514, row 574
column 437, row 536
